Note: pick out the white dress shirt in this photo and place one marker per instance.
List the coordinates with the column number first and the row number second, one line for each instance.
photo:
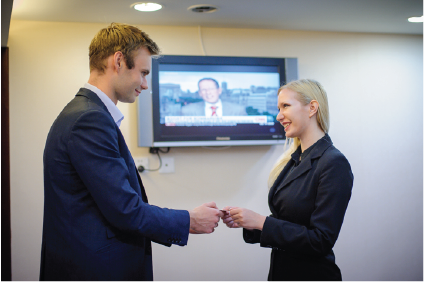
column 208, row 110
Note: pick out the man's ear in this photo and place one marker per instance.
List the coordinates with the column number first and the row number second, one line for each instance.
column 313, row 108
column 118, row 60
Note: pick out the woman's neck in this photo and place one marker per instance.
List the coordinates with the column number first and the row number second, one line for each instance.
column 310, row 137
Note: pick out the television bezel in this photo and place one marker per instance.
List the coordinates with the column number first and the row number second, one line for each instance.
column 148, row 105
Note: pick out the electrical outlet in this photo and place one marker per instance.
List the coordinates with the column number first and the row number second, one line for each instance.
column 142, row 162
column 167, row 165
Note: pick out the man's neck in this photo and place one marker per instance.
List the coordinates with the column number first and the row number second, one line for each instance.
column 102, row 82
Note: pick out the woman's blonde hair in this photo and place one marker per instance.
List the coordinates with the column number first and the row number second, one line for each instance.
column 307, row 90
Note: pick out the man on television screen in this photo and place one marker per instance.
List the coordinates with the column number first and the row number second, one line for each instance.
column 212, row 105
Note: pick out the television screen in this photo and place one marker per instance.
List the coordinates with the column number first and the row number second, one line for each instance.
column 215, row 101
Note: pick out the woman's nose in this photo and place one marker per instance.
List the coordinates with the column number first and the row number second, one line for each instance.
column 280, row 117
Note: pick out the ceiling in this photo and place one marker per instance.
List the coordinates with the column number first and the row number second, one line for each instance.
column 376, row 16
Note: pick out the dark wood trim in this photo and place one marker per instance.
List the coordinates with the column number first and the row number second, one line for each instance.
column 6, row 251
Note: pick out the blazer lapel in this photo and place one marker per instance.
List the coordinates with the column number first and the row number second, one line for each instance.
column 95, row 99
column 304, row 166
column 202, row 109
column 276, row 185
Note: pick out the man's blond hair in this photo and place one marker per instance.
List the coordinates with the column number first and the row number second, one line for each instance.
column 119, row 37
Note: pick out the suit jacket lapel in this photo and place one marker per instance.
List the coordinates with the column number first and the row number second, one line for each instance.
column 95, row 99
column 277, row 184
column 202, row 109
column 304, row 166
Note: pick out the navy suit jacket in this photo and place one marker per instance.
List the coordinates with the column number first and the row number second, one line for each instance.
column 198, row 109
column 308, row 206
column 97, row 222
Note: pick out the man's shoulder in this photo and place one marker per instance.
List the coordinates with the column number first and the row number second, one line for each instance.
column 231, row 104
column 192, row 107
column 82, row 108
column 80, row 105
column 230, row 108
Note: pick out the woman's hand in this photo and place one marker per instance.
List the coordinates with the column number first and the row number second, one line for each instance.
column 226, row 218
column 240, row 217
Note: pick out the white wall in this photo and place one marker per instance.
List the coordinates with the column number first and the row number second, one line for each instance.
column 375, row 88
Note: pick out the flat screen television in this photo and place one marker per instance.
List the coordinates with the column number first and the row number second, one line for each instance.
column 176, row 109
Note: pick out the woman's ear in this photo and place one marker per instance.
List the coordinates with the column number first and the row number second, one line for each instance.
column 313, row 108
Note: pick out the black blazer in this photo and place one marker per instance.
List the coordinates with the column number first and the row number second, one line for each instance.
column 308, row 207
column 97, row 222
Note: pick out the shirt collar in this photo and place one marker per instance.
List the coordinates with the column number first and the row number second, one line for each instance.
column 110, row 105
column 298, row 155
column 217, row 104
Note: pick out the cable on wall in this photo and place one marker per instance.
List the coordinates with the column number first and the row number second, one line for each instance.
column 154, row 150
column 201, row 40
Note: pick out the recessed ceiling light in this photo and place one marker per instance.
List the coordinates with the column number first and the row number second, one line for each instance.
column 146, row 7
column 204, row 8
column 415, row 19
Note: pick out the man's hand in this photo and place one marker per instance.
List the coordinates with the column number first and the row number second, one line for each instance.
column 204, row 218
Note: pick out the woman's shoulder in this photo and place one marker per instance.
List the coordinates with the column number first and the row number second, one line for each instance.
column 333, row 152
column 333, row 156
column 324, row 148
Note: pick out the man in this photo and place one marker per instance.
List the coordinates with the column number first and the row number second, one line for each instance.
column 97, row 222
column 212, row 106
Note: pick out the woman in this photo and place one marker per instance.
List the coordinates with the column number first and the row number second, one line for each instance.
column 310, row 187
